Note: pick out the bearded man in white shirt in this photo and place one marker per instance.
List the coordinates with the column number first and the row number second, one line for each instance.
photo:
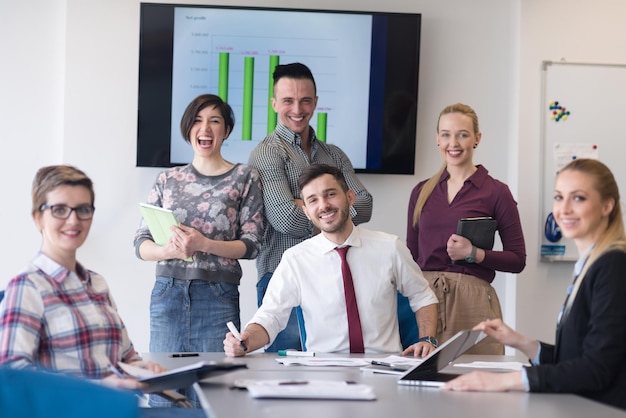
column 310, row 275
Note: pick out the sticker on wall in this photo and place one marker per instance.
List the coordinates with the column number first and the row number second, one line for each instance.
column 558, row 112
column 564, row 153
column 551, row 230
column 552, row 250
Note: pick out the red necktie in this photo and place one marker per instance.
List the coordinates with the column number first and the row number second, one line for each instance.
column 354, row 321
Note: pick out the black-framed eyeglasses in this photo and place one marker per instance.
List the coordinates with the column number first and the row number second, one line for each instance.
column 83, row 212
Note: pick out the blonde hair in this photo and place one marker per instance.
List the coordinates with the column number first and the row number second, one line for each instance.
column 429, row 186
column 613, row 237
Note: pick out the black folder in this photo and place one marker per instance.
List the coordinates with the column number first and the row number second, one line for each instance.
column 480, row 231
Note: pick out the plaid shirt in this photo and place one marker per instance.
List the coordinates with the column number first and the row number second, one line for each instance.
column 52, row 319
column 280, row 161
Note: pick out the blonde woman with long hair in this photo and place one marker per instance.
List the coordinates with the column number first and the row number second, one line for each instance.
column 459, row 272
column 588, row 357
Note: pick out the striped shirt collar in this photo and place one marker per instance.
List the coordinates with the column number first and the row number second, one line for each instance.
column 296, row 139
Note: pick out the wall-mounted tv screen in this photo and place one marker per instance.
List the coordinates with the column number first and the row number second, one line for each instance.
column 365, row 66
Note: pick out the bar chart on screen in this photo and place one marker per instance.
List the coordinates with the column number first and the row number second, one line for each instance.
column 238, row 63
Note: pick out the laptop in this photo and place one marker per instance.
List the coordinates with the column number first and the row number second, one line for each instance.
column 428, row 372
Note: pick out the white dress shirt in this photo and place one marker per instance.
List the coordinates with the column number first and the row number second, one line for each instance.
column 309, row 275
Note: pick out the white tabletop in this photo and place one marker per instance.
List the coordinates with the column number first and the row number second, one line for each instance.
column 393, row 400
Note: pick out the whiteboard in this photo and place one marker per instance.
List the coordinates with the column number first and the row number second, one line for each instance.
column 583, row 116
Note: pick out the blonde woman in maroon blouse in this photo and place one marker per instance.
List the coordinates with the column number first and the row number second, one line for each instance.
column 460, row 273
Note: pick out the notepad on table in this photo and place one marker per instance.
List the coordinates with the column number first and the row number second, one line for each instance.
column 310, row 389
column 159, row 221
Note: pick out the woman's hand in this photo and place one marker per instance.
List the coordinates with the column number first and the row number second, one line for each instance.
column 185, row 241
column 129, row 382
column 486, row 382
column 149, row 365
column 504, row 334
column 114, row 381
column 458, row 247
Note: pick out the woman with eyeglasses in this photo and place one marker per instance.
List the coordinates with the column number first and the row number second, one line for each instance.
column 56, row 314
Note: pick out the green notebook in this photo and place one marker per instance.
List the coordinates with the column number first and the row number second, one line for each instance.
column 159, row 221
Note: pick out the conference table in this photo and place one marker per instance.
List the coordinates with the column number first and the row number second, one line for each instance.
column 221, row 400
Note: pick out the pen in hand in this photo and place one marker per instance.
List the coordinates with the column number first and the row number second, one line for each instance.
column 116, row 371
column 236, row 334
column 122, row 376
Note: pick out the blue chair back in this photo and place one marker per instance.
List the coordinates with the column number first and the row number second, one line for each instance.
column 1, row 295
column 409, row 333
column 37, row 394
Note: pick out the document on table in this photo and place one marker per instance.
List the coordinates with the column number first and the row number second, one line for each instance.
column 400, row 361
column 324, row 361
column 505, row 365
column 392, row 364
column 307, row 389
column 393, row 360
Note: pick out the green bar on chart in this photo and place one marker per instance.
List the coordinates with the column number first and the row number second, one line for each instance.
column 321, row 126
column 271, row 115
column 222, row 86
column 248, row 88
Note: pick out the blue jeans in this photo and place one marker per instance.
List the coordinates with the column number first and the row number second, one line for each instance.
column 290, row 336
column 190, row 315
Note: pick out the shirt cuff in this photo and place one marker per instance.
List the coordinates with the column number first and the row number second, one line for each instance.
column 525, row 379
column 535, row 361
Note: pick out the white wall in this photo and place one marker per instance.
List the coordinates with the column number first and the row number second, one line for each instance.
column 69, row 94
column 577, row 31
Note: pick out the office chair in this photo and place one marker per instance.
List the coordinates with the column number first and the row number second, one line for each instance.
column 39, row 394
column 409, row 333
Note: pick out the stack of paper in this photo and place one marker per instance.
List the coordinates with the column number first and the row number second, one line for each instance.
column 505, row 365
column 324, row 361
column 310, row 389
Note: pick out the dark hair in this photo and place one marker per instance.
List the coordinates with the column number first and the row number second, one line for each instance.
column 294, row 70
column 50, row 177
column 314, row 171
column 198, row 104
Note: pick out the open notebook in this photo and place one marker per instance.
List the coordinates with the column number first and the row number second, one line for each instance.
column 180, row 377
column 428, row 372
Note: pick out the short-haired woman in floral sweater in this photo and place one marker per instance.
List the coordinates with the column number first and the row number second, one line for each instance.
column 219, row 207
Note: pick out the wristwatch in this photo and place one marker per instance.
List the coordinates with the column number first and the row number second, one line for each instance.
column 431, row 340
column 471, row 258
